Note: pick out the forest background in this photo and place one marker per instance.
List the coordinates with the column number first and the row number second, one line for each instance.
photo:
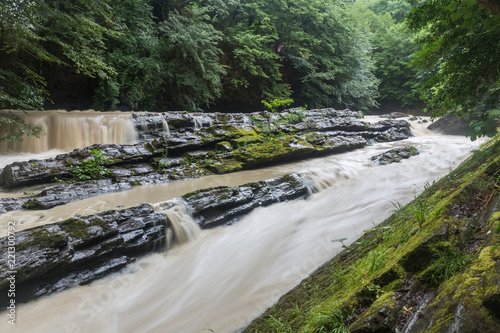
column 230, row 55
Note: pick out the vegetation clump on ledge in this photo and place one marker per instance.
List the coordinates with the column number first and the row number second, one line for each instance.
column 433, row 265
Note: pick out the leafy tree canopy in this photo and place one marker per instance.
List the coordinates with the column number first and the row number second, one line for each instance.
column 165, row 54
column 393, row 49
column 460, row 43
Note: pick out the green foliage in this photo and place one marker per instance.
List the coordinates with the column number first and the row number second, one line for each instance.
column 338, row 273
column 376, row 289
column 311, row 51
column 143, row 54
column 377, row 259
column 421, row 211
column 13, row 128
column 49, row 33
column 135, row 55
column 277, row 326
column 272, row 106
column 93, row 168
column 294, row 117
column 399, row 207
column 478, row 128
column 333, row 321
column 193, row 72
column 395, row 8
column 341, row 240
column 459, row 59
column 447, row 263
column 393, row 48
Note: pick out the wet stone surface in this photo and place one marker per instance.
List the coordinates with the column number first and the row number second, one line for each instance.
column 81, row 249
column 196, row 145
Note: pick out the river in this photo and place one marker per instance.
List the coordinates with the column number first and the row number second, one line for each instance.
column 225, row 277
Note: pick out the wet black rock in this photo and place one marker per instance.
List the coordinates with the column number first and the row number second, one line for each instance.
column 57, row 256
column 395, row 155
column 492, row 303
column 198, row 145
column 382, row 321
column 451, row 125
column 225, row 205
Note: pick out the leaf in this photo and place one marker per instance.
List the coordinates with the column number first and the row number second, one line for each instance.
column 469, row 2
column 452, row 6
column 456, row 15
column 339, row 240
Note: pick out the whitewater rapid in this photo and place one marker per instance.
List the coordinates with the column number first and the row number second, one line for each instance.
column 229, row 275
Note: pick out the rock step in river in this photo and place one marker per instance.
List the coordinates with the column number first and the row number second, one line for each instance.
column 190, row 149
column 78, row 250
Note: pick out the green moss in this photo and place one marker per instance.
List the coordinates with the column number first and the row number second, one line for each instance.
column 224, row 146
column 213, row 134
column 247, row 140
column 42, row 238
column 272, row 151
column 345, row 280
column 34, row 204
column 226, row 165
column 76, row 229
column 467, row 290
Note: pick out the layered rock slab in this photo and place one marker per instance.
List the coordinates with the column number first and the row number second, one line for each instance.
column 81, row 249
column 198, row 145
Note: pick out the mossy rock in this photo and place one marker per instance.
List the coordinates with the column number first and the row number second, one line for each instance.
column 34, row 204
column 492, row 303
column 43, row 238
column 247, row 140
column 273, row 151
column 393, row 274
column 224, row 132
column 224, row 146
column 381, row 321
column 226, row 165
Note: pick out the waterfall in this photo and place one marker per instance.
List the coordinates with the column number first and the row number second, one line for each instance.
column 181, row 228
column 65, row 131
column 201, row 121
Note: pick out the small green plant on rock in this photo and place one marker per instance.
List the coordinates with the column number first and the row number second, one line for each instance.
column 376, row 289
column 273, row 105
column 295, row 117
column 94, row 168
column 334, row 321
column 378, row 259
column 422, row 209
column 448, row 263
column 55, row 179
column 277, row 325
column 341, row 240
column 338, row 273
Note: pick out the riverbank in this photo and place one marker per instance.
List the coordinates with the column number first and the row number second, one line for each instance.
column 433, row 266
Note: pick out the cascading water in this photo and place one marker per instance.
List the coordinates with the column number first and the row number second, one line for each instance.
column 202, row 121
column 64, row 131
column 229, row 275
column 181, row 228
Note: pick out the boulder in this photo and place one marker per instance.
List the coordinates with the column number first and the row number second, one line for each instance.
column 395, row 155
